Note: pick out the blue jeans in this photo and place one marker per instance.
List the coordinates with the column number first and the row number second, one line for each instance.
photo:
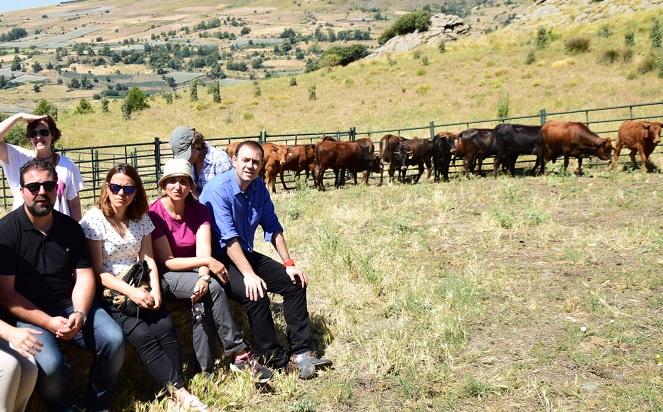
column 100, row 336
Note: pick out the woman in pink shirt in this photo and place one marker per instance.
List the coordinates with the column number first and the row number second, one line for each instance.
column 182, row 239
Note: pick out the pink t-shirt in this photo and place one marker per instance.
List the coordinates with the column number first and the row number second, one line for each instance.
column 181, row 234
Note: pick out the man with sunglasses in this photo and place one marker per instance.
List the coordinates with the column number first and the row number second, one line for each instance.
column 42, row 133
column 47, row 284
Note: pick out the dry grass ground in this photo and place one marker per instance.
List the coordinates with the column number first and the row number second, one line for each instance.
column 510, row 294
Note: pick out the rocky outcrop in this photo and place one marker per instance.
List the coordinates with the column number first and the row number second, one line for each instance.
column 443, row 28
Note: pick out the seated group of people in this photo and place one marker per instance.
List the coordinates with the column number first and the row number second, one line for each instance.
column 65, row 281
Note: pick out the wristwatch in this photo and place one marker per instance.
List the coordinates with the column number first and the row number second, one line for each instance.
column 207, row 278
column 82, row 313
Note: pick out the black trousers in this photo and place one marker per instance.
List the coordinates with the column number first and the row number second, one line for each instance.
column 153, row 337
column 259, row 313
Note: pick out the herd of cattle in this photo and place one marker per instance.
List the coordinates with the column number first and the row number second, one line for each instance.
column 505, row 143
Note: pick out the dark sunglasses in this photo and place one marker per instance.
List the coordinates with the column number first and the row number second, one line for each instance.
column 40, row 132
column 48, row 185
column 115, row 188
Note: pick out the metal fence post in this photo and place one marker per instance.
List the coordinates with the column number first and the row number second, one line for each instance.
column 95, row 171
column 542, row 116
column 262, row 138
column 431, row 126
column 157, row 158
column 352, row 134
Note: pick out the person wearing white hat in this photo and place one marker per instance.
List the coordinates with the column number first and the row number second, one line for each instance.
column 182, row 239
column 189, row 144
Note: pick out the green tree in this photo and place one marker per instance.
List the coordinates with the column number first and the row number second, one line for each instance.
column 36, row 87
column 16, row 63
column 126, row 112
column 194, row 90
column 46, row 107
column 36, row 67
column 83, row 107
column 16, row 135
column 215, row 90
column 136, row 100
column 104, row 105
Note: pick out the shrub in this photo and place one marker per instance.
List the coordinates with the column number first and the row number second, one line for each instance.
column 104, row 105
column 256, row 89
column 610, row 56
column 293, row 81
column 442, row 47
column 629, row 39
column 36, row 87
column 503, row 106
column 312, row 93
column 83, row 107
column 604, row 31
column 425, row 61
column 46, row 107
column 215, row 91
column 627, row 55
column 647, row 64
column 577, row 45
column 343, row 55
column 531, row 57
column 193, row 93
column 656, row 34
column 168, row 97
column 415, row 21
column 543, row 37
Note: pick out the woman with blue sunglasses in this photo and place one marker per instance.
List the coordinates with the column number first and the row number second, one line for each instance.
column 42, row 133
column 119, row 231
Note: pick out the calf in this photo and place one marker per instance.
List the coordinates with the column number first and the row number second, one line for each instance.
column 572, row 139
column 512, row 140
column 443, row 150
column 337, row 156
column 639, row 136
column 273, row 157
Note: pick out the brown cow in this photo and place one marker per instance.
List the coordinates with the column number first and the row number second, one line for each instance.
column 232, row 149
column 273, row 157
column 390, row 152
column 299, row 158
column 640, row 136
column 476, row 144
column 343, row 155
column 572, row 139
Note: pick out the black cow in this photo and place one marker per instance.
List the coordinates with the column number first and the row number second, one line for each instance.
column 512, row 140
column 443, row 149
column 415, row 152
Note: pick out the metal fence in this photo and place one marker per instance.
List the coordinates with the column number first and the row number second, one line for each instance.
column 149, row 157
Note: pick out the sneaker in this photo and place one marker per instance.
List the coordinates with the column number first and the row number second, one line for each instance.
column 306, row 363
column 249, row 362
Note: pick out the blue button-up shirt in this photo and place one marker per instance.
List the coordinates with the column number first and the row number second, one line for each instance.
column 237, row 214
column 216, row 161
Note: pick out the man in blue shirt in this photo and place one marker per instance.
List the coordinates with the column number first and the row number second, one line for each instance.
column 239, row 202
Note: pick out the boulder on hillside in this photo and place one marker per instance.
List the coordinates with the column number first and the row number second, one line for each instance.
column 443, row 28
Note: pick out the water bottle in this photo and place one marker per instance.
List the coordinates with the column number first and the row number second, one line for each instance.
column 198, row 311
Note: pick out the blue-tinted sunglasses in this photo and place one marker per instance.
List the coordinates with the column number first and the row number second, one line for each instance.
column 115, row 188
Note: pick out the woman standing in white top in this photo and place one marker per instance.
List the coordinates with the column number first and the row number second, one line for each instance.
column 42, row 134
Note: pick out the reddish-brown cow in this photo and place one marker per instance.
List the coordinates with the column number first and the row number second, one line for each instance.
column 351, row 156
column 299, row 158
column 639, row 136
column 572, row 139
column 273, row 158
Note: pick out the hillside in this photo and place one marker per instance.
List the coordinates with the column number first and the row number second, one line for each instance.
column 413, row 88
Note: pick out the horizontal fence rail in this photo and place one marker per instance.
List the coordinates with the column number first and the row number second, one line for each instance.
column 149, row 157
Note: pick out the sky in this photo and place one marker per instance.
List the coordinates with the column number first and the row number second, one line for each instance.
column 10, row 5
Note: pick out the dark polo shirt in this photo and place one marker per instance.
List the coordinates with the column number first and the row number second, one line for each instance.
column 44, row 265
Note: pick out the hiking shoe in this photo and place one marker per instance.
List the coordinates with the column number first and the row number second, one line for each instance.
column 306, row 363
column 249, row 362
